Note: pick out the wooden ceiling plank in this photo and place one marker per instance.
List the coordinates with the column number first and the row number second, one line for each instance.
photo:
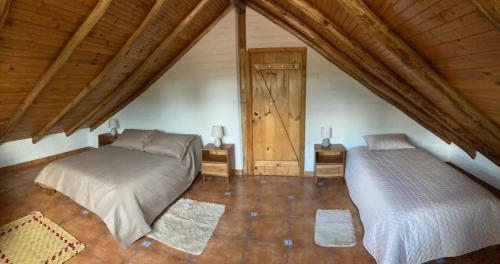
column 167, row 67
column 430, row 83
column 360, row 55
column 490, row 9
column 150, row 18
column 4, row 11
column 57, row 64
column 309, row 36
column 151, row 60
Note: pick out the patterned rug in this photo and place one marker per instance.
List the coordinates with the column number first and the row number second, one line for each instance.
column 36, row 239
column 188, row 225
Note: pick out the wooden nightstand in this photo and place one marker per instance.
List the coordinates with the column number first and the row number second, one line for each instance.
column 217, row 161
column 329, row 162
column 105, row 139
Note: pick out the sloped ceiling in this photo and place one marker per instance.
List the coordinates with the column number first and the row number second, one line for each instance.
column 438, row 61
column 69, row 64
column 142, row 36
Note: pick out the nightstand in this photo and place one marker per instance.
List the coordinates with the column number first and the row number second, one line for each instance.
column 217, row 161
column 105, row 139
column 329, row 162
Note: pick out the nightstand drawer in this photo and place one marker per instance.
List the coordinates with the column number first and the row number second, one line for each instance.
column 329, row 170
column 219, row 169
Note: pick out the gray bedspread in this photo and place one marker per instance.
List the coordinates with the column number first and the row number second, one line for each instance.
column 128, row 189
column 415, row 208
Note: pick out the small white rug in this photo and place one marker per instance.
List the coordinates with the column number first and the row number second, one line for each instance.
column 188, row 225
column 334, row 228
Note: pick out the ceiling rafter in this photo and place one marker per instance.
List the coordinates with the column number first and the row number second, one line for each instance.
column 151, row 60
column 150, row 17
column 354, row 50
column 4, row 11
column 490, row 9
column 57, row 64
column 292, row 24
column 429, row 82
column 167, row 67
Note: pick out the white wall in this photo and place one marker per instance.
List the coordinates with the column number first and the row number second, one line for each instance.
column 18, row 151
column 201, row 91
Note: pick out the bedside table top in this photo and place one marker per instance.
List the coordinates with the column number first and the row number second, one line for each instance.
column 107, row 135
column 331, row 148
column 211, row 146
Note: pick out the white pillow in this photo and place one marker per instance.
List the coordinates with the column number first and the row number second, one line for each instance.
column 133, row 139
column 388, row 142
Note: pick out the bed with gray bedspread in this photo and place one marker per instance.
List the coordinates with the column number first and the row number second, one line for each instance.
column 415, row 208
column 126, row 188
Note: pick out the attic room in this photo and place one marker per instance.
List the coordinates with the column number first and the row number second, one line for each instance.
column 249, row 131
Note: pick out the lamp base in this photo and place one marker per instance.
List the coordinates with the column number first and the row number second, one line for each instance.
column 218, row 142
column 325, row 143
column 114, row 132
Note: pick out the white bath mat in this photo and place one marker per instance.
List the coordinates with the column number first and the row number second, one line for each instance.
column 334, row 228
column 188, row 225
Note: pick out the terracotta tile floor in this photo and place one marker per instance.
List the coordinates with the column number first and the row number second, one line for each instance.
column 261, row 212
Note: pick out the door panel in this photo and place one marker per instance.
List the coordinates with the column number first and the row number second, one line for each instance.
column 278, row 98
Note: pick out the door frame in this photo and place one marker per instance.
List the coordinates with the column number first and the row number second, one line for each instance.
column 246, row 107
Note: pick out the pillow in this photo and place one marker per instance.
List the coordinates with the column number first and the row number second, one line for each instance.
column 174, row 145
column 133, row 139
column 387, row 142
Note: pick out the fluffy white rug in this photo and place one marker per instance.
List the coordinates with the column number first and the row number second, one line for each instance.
column 188, row 225
column 334, row 228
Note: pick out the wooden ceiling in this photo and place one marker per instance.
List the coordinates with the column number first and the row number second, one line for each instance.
column 69, row 64
column 438, row 61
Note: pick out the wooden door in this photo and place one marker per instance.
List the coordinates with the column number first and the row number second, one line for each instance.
column 278, row 105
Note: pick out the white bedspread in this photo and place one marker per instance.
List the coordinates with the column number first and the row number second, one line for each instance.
column 128, row 189
column 415, row 208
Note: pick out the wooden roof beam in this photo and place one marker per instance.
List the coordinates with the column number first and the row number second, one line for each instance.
column 57, row 64
column 4, row 11
column 167, row 67
column 490, row 9
column 151, row 60
column 239, row 5
column 360, row 55
column 150, row 17
column 428, row 82
column 292, row 24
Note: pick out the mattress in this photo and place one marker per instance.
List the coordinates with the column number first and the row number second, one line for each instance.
column 415, row 208
column 127, row 189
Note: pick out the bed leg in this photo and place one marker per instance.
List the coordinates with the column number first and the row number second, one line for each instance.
column 50, row 192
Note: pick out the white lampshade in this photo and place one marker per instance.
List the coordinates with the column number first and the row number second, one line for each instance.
column 217, row 131
column 326, row 132
column 113, row 123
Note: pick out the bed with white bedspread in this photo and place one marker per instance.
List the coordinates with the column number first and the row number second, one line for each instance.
column 416, row 208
